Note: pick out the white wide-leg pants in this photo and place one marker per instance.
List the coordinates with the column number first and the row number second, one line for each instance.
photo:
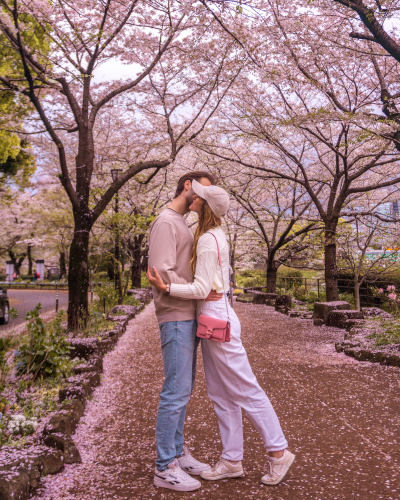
column 231, row 385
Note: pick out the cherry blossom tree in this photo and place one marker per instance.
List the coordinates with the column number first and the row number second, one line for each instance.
column 367, row 21
column 140, row 201
column 307, row 114
column 367, row 233
column 277, row 211
column 185, row 65
column 18, row 231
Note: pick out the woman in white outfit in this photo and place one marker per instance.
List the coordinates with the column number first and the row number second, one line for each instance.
column 231, row 384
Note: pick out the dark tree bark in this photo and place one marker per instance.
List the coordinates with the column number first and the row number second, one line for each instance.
column 145, row 259
column 272, row 268
column 136, row 274
column 331, row 272
column 232, row 258
column 137, row 254
column 78, row 278
column 30, row 262
column 17, row 261
column 63, row 264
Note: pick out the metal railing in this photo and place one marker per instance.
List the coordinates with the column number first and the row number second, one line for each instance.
column 290, row 282
column 367, row 296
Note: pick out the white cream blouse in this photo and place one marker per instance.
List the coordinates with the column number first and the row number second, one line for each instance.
column 208, row 273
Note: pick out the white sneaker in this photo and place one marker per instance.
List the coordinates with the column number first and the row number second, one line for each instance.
column 278, row 468
column 174, row 478
column 189, row 464
column 223, row 470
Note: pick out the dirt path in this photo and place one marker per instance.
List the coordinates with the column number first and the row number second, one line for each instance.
column 341, row 418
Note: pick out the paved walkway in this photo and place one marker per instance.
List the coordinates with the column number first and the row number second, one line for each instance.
column 26, row 300
column 341, row 418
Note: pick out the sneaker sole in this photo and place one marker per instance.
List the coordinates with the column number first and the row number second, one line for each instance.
column 281, row 478
column 223, row 476
column 176, row 487
column 194, row 472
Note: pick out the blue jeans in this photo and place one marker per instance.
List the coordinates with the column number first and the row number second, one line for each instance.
column 179, row 351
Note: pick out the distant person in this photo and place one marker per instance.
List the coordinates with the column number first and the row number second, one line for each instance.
column 14, row 276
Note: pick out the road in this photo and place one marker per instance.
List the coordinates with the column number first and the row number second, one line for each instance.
column 340, row 416
column 26, row 300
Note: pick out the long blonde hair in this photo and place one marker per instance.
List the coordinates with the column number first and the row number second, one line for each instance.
column 207, row 220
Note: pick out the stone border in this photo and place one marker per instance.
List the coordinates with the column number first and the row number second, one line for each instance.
column 339, row 315
column 21, row 468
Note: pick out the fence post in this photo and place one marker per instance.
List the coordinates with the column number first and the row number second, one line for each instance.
column 318, row 286
column 367, row 295
column 57, row 302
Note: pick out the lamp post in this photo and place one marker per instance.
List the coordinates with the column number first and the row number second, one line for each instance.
column 115, row 173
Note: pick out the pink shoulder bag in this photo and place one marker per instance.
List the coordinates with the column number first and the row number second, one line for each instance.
column 215, row 329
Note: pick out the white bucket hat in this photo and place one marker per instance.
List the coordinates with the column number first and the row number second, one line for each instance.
column 215, row 196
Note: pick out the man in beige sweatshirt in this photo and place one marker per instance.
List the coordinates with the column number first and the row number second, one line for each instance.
column 170, row 250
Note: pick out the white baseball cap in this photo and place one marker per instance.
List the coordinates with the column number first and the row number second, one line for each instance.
column 215, row 196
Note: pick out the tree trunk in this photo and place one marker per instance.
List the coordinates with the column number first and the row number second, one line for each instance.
column 233, row 275
column 111, row 269
column 357, row 294
column 136, row 269
column 145, row 259
column 17, row 261
column 78, row 277
column 271, row 275
column 30, row 270
column 63, row 264
column 121, row 273
column 331, row 273
column 136, row 274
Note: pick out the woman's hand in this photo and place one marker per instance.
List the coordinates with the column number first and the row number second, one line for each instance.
column 156, row 280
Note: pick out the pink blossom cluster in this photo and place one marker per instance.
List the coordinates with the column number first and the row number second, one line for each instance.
column 392, row 296
column 391, row 288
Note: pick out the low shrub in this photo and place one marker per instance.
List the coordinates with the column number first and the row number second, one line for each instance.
column 130, row 300
column 21, row 425
column 251, row 277
column 390, row 333
column 283, row 278
column 5, row 343
column 348, row 297
column 107, row 292
column 97, row 324
column 43, row 352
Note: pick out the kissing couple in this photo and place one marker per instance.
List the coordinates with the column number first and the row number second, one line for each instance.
column 190, row 276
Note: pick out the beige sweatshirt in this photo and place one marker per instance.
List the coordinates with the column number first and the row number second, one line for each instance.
column 170, row 247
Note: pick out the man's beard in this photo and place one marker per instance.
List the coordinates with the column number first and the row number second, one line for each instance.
column 189, row 199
